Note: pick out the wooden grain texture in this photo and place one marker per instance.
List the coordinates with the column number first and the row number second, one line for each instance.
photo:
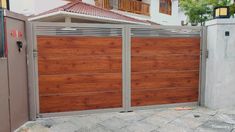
column 79, row 73
column 80, row 101
column 164, row 79
column 80, row 64
column 164, row 96
column 165, row 46
column 164, row 70
column 67, row 47
column 165, row 62
column 57, row 84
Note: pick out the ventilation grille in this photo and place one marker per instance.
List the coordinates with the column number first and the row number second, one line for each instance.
column 148, row 32
column 101, row 31
column 78, row 31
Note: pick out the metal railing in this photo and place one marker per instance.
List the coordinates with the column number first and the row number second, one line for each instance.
column 103, row 4
column 134, row 6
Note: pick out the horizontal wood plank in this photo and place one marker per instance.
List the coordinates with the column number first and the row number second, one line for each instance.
column 78, row 46
column 73, row 83
column 84, row 64
column 167, row 62
column 164, row 96
column 165, row 46
column 80, row 101
column 160, row 79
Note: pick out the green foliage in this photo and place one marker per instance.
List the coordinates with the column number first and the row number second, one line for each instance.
column 199, row 11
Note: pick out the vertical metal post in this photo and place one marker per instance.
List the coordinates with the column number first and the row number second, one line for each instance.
column 32, row 82
column 202, row 73
column 2, row 34
column 36, row 79
column 126, row 69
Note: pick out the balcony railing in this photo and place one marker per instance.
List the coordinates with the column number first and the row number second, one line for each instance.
column 134, row 6
column 103, row 4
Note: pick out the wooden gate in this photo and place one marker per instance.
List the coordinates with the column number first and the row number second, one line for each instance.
column 79, row 73
column 164, row 70
column 83, row 67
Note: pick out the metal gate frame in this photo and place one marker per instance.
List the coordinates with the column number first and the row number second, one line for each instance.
column 32, row 62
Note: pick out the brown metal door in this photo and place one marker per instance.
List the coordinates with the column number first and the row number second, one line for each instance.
column 17, row 69
column 164, row 70
column 79, row 73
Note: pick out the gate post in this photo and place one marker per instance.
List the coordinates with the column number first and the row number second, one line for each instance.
column 126, row 68
column 220, row 78
column 31, row 71
column 203, row 56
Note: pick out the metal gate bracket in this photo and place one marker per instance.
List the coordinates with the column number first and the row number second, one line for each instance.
column 207, row 53
column 35, row 53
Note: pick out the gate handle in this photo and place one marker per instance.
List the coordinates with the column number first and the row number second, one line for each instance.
column 20, row 45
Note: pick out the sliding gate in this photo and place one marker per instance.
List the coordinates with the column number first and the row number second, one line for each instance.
column 90, row 68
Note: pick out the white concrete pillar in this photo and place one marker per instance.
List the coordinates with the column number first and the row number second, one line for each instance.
column 220, row 69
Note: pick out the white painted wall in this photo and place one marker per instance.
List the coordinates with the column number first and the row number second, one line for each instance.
column 164, row 19
column 182, row 17
column 45, row 5
column 26, row 7
column 33, row 7
column 220, row 71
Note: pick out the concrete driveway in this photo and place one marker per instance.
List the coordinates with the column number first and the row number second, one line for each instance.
column 197, row 119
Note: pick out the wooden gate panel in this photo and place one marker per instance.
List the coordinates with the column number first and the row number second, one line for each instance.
column 79, row 73
column 164, row 70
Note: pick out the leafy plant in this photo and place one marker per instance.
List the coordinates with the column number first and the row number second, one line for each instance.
column 199, row 11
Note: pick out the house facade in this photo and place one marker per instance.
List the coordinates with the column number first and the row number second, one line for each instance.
column 164, row 12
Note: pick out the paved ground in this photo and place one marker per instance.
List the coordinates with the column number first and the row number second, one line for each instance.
column 157, row 120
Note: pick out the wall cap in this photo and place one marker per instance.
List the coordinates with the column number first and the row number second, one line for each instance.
column 230, row 21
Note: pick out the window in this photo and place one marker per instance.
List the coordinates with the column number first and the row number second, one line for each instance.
column 165, row 7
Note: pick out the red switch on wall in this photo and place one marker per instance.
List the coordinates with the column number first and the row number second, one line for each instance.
column 13, row 33
column 16, row 34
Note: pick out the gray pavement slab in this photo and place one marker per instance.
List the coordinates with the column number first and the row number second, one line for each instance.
column 198, row 119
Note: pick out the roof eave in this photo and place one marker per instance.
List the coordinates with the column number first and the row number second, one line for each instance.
column 45, row 16
column 86, row 16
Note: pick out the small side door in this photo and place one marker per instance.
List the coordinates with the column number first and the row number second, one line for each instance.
column 17, row 69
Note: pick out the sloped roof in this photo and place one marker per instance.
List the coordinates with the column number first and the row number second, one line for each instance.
column 79, row 7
